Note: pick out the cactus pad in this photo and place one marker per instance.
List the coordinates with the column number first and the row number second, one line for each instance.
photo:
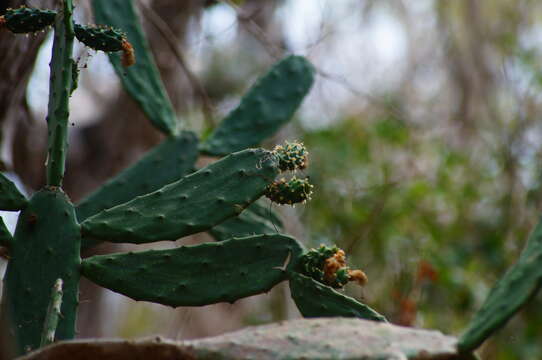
column 314, row 299
column 268, row 105
column 292, row 156
column 512, row 291
column 141, row 81
column 27, row 20
column 289, row 192
column 200, row 274
column 45, row 248
column 195, row 203
column 106, row 39
column 10, row 198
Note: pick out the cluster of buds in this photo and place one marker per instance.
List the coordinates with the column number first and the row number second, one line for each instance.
column 328, row 266
column 289, row 192
column 292, row 156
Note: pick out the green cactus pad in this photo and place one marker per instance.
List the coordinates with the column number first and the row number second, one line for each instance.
column 100, row 37
column 60, row 88
column 166, row 163
column 200, row 274
column 195, row 203
column 27, row 20
column 511, row 292
column 316, row 300
column 268, row 105
column 5, row 236
column 46, row 247
column 292, row 156
column 142, row 80
column 249, row 222
column 289, row 192
column 10, row 198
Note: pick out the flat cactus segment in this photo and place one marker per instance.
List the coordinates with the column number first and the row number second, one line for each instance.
column 511, row 292
column 200, row 274
column 268, row 105
column 100, row 37
column 249, row 222
column 5, row 236
column 166, row 163
column 27, row 20
column 60, row 88
column 195, row 203
column 142, row 80
column 316, row 300
column 46, row 247
column 10, row 198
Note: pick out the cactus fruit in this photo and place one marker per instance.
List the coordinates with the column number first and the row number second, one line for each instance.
column 10, row 198
column 106, row 39
column 27, row 20
column 195, row 203
column 292, row 156
column 142, row 80
column 327, row 265
column 45, row 248
column 268, row 105
column 199, row 274
column 314, row 299
column 289, row 192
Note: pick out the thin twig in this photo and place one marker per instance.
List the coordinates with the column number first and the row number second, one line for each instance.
column 172, row 41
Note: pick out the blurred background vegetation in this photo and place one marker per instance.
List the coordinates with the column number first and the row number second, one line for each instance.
column 423, row 130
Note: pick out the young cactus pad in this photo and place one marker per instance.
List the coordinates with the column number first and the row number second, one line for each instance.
column 106, row 39
column 268, row 105
column 27, row 20
column 200, row 274
column 10, row 198
column 195, row 203
column 45, row 248
column 314, row 299
column 142, row 80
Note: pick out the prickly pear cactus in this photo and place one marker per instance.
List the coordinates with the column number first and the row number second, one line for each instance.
column 160, row 197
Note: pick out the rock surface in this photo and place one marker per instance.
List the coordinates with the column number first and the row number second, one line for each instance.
column 326, row 338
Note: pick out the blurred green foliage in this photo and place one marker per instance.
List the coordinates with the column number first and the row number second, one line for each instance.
column 433, row 224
